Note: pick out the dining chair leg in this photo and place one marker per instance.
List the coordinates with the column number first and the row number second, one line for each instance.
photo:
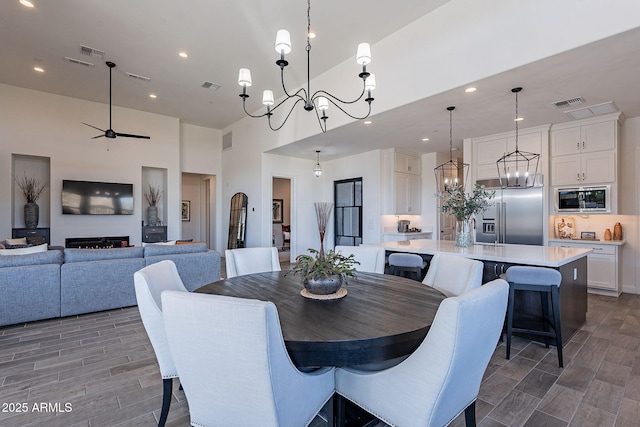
column 470, row 415
column 167, row 386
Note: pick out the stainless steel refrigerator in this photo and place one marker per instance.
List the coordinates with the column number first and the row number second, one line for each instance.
column 515, row 217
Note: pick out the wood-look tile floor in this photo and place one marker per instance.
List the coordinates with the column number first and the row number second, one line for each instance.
column 100, row 370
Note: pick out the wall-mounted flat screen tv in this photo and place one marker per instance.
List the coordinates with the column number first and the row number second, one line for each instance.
column 96, row 198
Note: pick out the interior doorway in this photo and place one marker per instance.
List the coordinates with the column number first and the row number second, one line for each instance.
column 281, row 217
column 198, row 208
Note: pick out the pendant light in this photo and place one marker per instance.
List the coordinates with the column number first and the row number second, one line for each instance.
column 317, row 170
column 518, row 169
column 449, row 174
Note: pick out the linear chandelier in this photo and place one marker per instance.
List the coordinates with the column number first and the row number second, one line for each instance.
column 518, row 169
column 449, row 173
column 316, row 101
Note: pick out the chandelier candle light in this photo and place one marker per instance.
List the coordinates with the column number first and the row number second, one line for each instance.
column 447, row 173
column 518, row 169
column 320, row 99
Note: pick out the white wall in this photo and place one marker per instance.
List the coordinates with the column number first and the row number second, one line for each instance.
column 40, row 124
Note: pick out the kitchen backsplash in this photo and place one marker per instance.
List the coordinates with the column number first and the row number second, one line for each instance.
column 593, row 223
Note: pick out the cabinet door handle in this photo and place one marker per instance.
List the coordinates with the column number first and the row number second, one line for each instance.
column 502, row 268
column 495, row 270
column 578, row 177
column 583, row 145
column 597, row 249
column 583, row 176
column 578, row 145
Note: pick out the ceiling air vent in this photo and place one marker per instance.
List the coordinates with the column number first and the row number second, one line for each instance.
column 211, row 85
column 592, row 111
column 89, row 51
column 139, row 77
column 77, row 61
column 569, row 102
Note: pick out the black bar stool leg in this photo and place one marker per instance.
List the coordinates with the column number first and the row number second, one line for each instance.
column 470, row 415
column 510, row 318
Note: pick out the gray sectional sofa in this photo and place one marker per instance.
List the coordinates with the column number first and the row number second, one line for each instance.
column 74, row 281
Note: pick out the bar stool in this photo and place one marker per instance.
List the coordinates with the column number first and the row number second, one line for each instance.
column 407, row 264
column 547, row 282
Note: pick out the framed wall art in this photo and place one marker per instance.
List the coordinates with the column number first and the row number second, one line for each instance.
column 186, row 210
column 278, row 204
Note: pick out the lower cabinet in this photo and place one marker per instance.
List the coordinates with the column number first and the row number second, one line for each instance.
column 602, row 266
column 492, row 270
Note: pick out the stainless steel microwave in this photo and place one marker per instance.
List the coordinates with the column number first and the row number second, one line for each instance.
column 584, row 199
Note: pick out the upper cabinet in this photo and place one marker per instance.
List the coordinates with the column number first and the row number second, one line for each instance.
column 585, row 152
column 487, row 150
column 401, row 183
column 408, row 163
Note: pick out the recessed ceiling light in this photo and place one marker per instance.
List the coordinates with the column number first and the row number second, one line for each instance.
column 26, row 3
column 425, row 139
column 470, row 89
column 153, row 95
column 519, row 119
column 38, row 69
column 367, row 122
column 183, row 54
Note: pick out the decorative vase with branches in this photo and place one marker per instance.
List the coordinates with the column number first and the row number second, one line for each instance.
column 323, row 213
column 32, row 188
column 455, row 201
column 152, row 195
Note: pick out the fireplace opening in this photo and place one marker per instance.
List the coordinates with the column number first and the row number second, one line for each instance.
column 96, row 242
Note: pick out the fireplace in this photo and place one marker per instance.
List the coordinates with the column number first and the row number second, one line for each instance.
column 96, row 242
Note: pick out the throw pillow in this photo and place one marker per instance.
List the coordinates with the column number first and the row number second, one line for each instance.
column 25, row 251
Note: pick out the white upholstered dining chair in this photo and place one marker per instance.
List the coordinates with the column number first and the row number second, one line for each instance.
column 251, row 260
column 453, row 275
column 371, row 258
column 234, row 366
column 442, row 377
column 149, row 283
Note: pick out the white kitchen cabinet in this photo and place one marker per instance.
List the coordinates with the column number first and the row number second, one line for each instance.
column 585, row 152
column 489, row 150
column 602, row 265
column 580, row 169
column 585, row 138
column 407, row 163
column 407, row 194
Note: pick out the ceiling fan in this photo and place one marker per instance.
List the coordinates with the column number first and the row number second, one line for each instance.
column 110, row 133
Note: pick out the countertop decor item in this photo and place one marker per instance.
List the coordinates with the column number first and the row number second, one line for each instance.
column 32, row 188
column 565, row 227
column 463, row 206
column 617, row 231
column 607, row 234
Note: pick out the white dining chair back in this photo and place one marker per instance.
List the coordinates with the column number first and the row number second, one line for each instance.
column 442, row 377
column 240, row 262
column 149, row 284
column 234, row 366
column 453, row 275
column 371, row 258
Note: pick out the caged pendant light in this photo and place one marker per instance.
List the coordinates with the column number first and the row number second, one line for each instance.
column 448, row 174
column 317, row 170
column 518, row 169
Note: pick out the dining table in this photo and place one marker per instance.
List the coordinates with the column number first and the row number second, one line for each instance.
column 381, row 317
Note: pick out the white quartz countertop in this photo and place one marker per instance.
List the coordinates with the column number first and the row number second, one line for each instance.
column 590, row 242
column 545, row 256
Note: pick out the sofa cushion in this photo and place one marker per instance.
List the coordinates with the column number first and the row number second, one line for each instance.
column 49, row 257
column 25, row 251
column 159, row 250
column 83, row 255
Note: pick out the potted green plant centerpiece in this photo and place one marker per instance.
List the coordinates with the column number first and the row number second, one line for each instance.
column 455, row 201
column 31, row 189
column 323, row 273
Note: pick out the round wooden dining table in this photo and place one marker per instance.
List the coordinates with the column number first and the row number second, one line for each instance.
column 381, row 317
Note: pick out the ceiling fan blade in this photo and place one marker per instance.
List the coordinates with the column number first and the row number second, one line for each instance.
column 128, row 135
column 99, row 136
column 92, row 126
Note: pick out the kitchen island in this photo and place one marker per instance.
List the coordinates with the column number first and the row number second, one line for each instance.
column 571, row 262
